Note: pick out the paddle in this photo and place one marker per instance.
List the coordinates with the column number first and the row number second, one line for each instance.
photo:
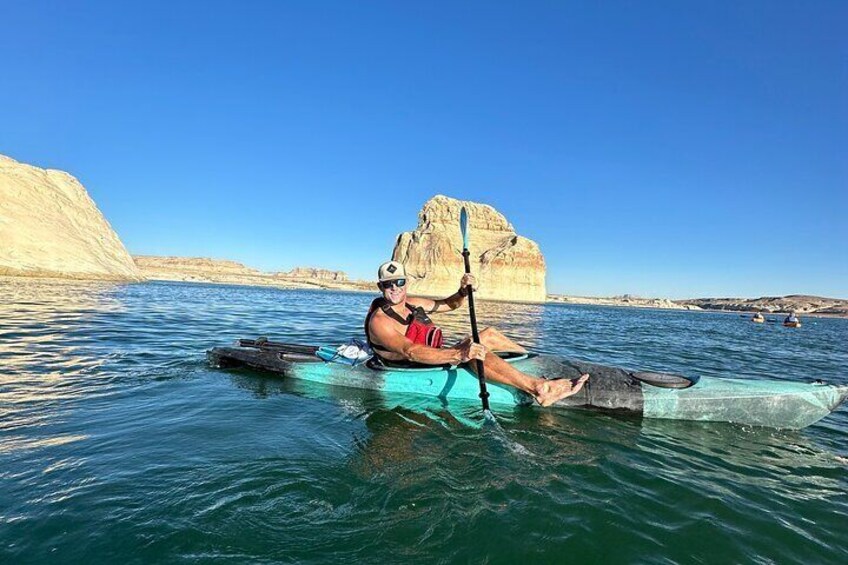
column 463, row 226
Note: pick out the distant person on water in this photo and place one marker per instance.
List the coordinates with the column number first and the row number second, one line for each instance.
column 398, row 329
column 792, row 318
column 758, row 317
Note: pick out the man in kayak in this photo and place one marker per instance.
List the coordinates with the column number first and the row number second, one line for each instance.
column 398, row 329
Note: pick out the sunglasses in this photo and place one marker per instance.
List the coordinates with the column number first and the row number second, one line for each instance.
column 386, row 285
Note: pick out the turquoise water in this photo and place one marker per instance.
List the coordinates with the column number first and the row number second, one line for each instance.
column 119, row 444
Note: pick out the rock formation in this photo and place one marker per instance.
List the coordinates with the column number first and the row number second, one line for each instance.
column 626, row 300
column 50, row 227
column 202, row 269
column 313, row 273
column 191, row 268
column 800, row 303
column 507, row 266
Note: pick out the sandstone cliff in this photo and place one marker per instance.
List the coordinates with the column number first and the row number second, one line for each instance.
column 507, row 266
column 50, row 227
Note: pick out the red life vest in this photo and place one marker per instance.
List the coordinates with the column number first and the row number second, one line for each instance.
column 424, row 333
column 421, row 329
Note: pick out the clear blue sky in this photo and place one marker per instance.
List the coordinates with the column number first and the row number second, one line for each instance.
column 670, row 148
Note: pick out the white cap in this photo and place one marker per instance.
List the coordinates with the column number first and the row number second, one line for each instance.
column 391, row 271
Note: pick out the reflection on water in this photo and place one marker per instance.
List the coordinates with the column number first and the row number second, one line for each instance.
column 45, row 327
column 44, row 324
column 775, row 460
column 13, row 443
column 117, row 439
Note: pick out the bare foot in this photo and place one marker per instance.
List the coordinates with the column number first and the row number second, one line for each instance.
column 550, row 392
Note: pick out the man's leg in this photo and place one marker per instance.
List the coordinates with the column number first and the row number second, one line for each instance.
column 494, row 340
column 546, row 392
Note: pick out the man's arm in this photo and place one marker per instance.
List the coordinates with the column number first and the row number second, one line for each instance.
column 383, row 331
column 452, row 302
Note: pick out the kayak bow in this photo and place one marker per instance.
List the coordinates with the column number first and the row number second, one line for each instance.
column 770, row 403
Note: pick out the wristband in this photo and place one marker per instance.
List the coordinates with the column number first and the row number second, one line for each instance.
column 463, row 291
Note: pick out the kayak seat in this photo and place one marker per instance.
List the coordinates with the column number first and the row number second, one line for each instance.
column 664, row 380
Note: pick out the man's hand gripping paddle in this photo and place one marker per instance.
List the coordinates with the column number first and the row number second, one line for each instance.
column 463, row 226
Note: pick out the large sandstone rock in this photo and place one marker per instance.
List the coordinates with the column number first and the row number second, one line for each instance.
column 507, row 266
column 50, row 227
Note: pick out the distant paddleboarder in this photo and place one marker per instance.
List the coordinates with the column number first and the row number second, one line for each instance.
column 399, row 330
column 792, row 320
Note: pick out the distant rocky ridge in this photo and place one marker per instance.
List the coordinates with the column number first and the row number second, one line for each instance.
column 624, row 300
column 202, row 269
column 312, row 273
column 507, row 265
column 800, row 303
column 192, row 266
column 50, row 227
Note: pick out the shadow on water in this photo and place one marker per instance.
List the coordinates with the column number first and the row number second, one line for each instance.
column 366, row 403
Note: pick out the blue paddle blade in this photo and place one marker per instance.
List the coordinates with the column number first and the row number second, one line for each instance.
column 463, row 226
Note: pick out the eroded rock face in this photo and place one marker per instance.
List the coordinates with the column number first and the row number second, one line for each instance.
column 313, row 273
column 626, row 300
column 222, row 271
column 507, row 265
column 50, row 227
column 190, row 268
column 800, row 303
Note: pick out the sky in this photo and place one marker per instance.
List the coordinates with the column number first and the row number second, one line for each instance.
column 677, row 149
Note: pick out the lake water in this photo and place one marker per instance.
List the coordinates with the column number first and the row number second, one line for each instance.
column 118, row 443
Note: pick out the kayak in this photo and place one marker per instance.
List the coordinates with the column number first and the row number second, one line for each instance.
column 791, row 324
column 769, row 403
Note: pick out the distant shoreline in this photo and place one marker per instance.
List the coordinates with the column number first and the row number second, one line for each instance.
column 740, row 313
column 363, row 287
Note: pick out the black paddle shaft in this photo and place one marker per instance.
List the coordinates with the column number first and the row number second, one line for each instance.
column 475, row 335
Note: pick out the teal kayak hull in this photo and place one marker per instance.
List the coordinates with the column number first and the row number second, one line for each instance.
column 769, row 403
